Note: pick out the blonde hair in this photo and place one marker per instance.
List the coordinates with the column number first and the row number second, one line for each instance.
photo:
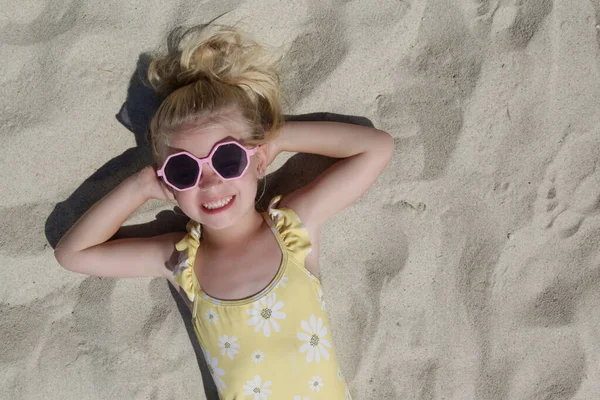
column 210, row 73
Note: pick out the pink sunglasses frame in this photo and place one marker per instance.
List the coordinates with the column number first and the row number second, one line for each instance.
column 205, row 160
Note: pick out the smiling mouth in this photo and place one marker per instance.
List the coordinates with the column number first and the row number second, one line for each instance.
column 217, row 205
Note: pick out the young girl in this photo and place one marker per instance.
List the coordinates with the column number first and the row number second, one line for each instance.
column 250, row 278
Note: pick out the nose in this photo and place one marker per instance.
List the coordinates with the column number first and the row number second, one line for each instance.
column 208, row 178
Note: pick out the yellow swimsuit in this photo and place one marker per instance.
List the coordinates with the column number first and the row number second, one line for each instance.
column 275, row 345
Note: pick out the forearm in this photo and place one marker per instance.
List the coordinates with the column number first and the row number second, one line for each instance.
column 104, row 218
column 332, row 139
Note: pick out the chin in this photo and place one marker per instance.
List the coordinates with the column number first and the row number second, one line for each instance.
column 217, row 225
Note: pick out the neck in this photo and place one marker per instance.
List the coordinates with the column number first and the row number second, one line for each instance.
column 235, row 235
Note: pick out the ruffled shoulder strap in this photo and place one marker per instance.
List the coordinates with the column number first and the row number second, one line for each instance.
column 291, row 229
column 188, row 246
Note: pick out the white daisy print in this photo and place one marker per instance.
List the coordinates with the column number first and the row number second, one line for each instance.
column 212, row 316
column 229, row 346
column 315, row 344
column 216, row 372
column 301, row 398
column 258, row 356
column 316, row 383
column 264, row 313
column 283, row 281
column 254, row 388
column 321, row 299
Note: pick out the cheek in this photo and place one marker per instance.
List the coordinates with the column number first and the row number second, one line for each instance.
column 246, row 185
column 186, row 201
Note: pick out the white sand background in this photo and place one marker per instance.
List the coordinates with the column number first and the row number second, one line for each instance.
column 470, row 270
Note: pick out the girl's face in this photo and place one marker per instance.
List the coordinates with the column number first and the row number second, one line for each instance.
column 211, row 187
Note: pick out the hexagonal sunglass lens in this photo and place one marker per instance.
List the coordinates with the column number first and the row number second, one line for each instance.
column 229, row 161
column 182, row 171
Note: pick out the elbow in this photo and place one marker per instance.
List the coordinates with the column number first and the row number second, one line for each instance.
column 387, row 145
column 59, row 255
column 62, row 257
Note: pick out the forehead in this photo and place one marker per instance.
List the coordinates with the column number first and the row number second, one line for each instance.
column 199, row 140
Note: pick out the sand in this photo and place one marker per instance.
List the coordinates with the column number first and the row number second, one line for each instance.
column 469, row 270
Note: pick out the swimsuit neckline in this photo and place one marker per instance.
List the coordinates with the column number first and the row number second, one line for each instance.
column 262, row 293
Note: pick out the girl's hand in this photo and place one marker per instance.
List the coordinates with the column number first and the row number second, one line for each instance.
column 153, row 186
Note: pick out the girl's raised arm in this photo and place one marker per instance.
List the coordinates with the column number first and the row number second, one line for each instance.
column 85, row 247
column 365, row 152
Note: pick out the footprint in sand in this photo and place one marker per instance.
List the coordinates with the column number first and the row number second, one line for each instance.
column 439, row 74
column 544, row 253
column 55, row 19
column 368, row 314
column 312, row 56
column 509, row 23
column 478, row 15
column 545, row 281
column 516, row 21
column 571, row 189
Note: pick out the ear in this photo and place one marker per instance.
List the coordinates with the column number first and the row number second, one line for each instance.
column 261, row 158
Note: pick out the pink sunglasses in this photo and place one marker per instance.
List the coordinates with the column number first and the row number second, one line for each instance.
column 229, row 160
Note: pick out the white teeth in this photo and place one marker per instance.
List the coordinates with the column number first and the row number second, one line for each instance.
column 218, row 204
